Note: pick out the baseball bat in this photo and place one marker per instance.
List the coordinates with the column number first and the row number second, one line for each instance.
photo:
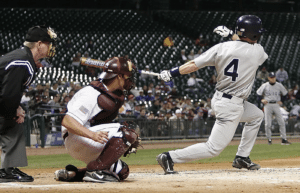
column 101, row 64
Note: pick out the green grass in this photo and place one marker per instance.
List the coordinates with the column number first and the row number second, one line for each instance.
column 147, row 156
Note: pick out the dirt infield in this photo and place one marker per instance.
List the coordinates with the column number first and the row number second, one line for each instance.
column 278, row 175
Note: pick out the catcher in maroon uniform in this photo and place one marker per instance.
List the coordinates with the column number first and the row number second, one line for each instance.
column 88, row 131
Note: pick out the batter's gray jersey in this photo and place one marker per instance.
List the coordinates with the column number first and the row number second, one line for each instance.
column 236, row 63
column 272, row 92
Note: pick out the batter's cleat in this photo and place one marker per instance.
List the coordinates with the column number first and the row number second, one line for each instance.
column 269, row 141
column 64, row 175
column 165, row 163
column 241, row 162
column 15, row 175
column 285, row 142
column 101, row 176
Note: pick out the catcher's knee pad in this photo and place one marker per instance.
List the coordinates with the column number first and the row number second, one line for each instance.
column 121, row 169
column 113, row 150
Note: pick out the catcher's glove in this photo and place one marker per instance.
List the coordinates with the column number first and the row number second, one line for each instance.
column 128, row 129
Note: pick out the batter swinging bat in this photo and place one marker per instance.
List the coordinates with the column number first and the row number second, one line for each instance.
column 101, row 64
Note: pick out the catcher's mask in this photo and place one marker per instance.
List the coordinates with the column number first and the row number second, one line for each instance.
column 120, row 65
column 44, row 34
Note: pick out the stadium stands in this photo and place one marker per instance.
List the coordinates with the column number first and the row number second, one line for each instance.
column 125, row 32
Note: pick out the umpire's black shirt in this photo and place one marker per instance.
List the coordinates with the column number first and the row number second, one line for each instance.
column 17, row 71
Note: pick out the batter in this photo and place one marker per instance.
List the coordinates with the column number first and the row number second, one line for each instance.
column 236, row 63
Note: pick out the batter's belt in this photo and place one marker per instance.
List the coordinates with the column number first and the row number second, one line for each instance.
column 272, row 102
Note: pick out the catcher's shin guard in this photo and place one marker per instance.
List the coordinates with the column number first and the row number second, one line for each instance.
column 112, row 151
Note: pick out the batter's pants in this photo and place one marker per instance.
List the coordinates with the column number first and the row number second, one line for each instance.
column 229, row 112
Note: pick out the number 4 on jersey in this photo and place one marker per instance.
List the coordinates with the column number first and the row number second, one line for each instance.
column 232, row 72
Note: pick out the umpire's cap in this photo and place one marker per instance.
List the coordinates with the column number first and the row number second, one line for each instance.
column 40, row 33
column 272, row 74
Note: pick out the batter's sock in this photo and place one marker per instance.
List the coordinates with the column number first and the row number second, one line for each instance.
column 237, row 156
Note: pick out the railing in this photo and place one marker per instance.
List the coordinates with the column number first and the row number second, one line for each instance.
column 41, row 125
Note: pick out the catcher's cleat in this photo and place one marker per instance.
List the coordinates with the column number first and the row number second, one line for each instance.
column 101, row 176
column 285, row 142
column 165, row 163
column 64, row 175
column 240, row 163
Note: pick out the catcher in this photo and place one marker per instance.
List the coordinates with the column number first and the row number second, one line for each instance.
column 88, row 131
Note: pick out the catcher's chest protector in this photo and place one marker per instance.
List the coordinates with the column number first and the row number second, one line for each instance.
column 110, row 102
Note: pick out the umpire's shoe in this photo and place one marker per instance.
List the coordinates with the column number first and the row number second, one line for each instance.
column 101, row 176
column 15, row 175
column 244, row 162
column 166, row 163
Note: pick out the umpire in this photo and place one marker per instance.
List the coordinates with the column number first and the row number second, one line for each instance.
column 17, row 72
column 271, row 92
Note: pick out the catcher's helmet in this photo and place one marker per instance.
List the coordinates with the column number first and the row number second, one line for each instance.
column 120, row 65
column 249, row 26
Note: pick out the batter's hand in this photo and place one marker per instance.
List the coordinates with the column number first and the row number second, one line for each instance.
column 165, row 76
column 223, row 31
column 264, row 101
column 100, row 137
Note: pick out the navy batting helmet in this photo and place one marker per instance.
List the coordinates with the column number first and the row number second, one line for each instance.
column 249, row 26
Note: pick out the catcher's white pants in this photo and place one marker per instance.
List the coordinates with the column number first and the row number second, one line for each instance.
column 229, row 112
column 87, row 150
column 269, row 110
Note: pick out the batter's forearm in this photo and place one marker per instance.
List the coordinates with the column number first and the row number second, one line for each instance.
column 188, row 67
column 75, row 127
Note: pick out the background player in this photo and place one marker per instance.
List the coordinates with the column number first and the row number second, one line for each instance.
column 90, row 135
column 17, row 72
column 271, row 92
column 236, row 64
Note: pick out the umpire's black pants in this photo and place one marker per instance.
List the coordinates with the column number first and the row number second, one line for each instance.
column 12, row 140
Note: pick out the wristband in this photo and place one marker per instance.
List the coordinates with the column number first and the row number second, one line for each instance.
column 175, row 72
column 230, row 34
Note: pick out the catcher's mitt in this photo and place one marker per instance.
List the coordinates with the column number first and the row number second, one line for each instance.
column 129, row 126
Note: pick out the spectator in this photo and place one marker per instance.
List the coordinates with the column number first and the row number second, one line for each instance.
column 282, row 76
column 68, row 45
column 149, row 97
column 191, row 56
column 155, row 107
column 294, row 113
column 174, row 93
column 193, row 85
column 90, row 45
column 176, row 123
column 141, row 96
column 54, row 90
column 145, row 77
column 292, row 94
column 76, row 59
column 198, row 54
column 164, row 109
column 137, row 108
column 213, row 80
column 145, row 90
column 168, row 42
column 183, row 57
column 263, row 74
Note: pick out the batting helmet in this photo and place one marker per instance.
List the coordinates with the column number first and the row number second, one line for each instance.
column 249, row 26
column 120, row 65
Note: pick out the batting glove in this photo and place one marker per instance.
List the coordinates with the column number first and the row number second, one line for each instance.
column 165, row 75
column 223, row 31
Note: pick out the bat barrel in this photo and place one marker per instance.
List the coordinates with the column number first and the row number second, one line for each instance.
column 92, row 62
